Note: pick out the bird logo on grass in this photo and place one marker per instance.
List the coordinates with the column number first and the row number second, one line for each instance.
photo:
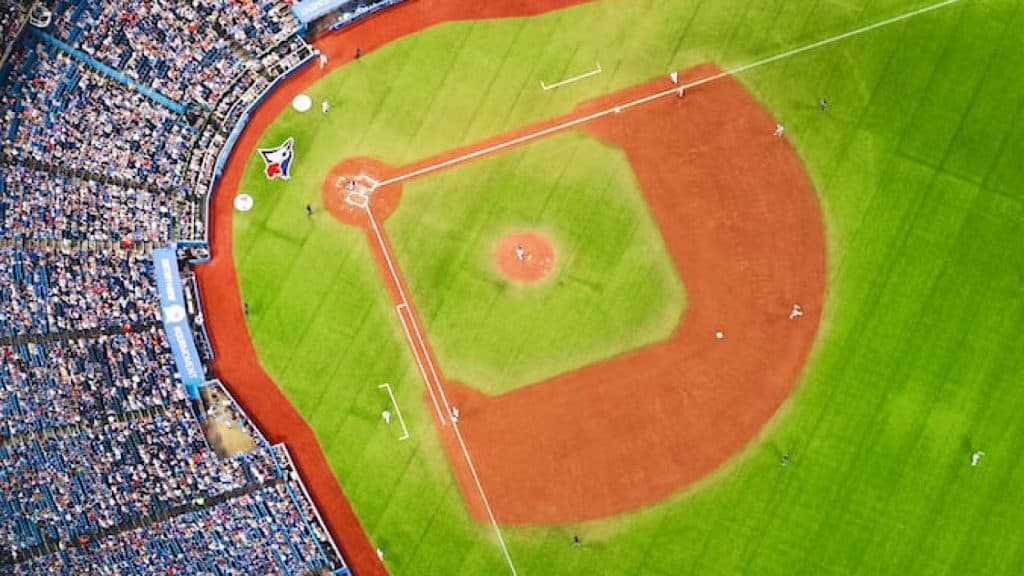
column 278, row 161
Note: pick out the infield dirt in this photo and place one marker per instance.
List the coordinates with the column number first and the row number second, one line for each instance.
column 743, row 226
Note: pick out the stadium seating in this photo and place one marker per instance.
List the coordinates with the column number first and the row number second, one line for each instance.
column 262, row 532
column 12, row 18
column 45, row 206
column 62, row 289
column 110, row 123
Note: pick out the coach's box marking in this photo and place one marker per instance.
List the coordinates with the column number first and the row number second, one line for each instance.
column 593, row 72
column 398, row 411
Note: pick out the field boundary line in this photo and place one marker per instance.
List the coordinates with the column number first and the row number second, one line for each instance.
column 398, row 411
column 404, row 304
column 658, row 95
column 576, row 78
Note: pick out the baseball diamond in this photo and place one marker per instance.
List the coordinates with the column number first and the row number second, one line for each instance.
column 340, row 287
column 650, row 373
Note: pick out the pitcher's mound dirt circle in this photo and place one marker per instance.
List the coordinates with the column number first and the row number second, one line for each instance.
column 525, row 256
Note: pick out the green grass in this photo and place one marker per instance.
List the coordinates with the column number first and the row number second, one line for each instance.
column 614, row 287
column 918, row 168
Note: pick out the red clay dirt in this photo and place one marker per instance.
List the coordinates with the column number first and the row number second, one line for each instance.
column 334, row 190
column 743, row 226
column 236, row 361
column 525, row 257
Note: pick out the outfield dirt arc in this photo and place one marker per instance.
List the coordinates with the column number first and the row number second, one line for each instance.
column 742, row 223
column 743, row 226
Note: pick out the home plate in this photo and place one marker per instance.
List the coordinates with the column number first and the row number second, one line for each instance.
column 302, row 103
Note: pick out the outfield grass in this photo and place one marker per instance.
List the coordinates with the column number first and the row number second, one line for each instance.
column 918, row 167
column 614, row 287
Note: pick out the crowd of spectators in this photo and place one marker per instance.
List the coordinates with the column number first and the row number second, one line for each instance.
column 56, row 108
column 63, row 288
column 189, row 51
column 172, row 47
column 44, row 206
column 106, row 466
column 12, row 16
column 84, row 380
column 262, row 532
column 68, row 486
column 257, row 25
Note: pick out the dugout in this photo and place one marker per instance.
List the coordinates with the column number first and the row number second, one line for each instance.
column 320, row 16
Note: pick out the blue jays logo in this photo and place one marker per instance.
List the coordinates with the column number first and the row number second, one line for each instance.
column 278, row 161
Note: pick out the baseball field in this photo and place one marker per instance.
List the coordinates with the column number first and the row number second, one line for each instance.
column 552, row 328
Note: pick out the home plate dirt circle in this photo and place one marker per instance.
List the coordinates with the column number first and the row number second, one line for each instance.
column 525, row 256
column 349, row 190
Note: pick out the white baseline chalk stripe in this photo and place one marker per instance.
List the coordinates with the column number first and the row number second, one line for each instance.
column 419, row 364
column 404, row 304
column 577, row 78
column 455, row 425
column 430, row 364
column 674, row 90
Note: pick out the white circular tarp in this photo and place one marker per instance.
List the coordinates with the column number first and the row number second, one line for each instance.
column 243, row 202
column 302, row 103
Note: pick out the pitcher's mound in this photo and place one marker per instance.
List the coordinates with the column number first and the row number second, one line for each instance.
column 525, row 257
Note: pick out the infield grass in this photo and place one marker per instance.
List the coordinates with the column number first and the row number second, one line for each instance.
column 613, row 288
column 918, row 363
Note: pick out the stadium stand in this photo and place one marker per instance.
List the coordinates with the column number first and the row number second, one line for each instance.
column 59, row 108
column 63, row 290
column 113, row 117
column 39, row 205
column 13, row 16
column 83, row 381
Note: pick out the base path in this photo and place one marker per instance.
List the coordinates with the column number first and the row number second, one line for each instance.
column 236, row 360
column 743, row 226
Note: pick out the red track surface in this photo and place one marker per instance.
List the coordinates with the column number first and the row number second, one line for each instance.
column 237, row 363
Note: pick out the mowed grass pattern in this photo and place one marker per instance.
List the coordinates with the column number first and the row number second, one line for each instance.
column 918, row 166
column 613, row 289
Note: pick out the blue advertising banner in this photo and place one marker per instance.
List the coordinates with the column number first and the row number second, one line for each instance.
column 307, row 11
column 175, row 316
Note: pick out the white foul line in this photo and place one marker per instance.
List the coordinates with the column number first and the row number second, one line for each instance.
column 593, row 72
column 672, row 91
column 398, row 411
column 419, row 364
column 483, row 497
column 404, row 304
column 430, row 363
column 455, row 423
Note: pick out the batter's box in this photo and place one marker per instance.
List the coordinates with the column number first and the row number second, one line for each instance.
column 358, row 200
column 357, row 189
